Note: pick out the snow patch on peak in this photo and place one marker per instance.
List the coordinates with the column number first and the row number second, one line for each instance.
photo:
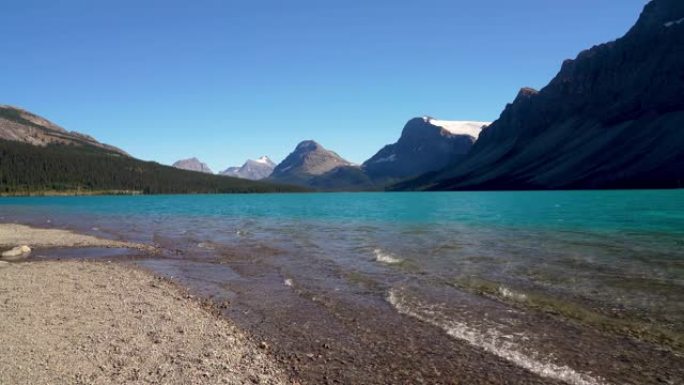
column 264, row 160
column 673, row 22
column 390, row 158
column 458, row 127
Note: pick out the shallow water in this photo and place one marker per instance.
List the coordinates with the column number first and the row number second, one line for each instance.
column 612, row 261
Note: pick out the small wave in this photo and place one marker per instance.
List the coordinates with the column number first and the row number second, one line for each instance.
column 204, row 245
column 384, row 257
column 491, row 341
column 508, row 293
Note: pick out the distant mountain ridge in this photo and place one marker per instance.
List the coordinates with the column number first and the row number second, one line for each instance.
column 38, row 157
column 252, row 169
column 612, row 118
column 192, row 164
column 19, row 125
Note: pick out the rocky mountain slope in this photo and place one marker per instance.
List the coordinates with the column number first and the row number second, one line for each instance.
column 425, row 145
column 193, row 164
column 308, row 161
column 252, row 169
column 20, row 125
column 611, row 118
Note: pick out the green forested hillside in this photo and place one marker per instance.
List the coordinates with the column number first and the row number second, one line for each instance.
column 28, row 169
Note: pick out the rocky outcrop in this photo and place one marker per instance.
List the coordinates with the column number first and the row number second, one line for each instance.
column 307, row 161
column 425, row 145
column 193, row 164
column 16, row 253
column 20, row 125
column 612, row 118
column 252, row 169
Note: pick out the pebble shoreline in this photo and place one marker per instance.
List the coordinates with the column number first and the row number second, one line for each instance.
column 77, row 322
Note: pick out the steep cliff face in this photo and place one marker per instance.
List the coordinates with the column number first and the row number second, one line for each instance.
column 20, row 125
column 425, row 145
column 611, row 118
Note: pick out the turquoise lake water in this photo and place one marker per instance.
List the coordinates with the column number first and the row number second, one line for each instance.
column 615, row 253
column 657, row 210
column 496, row 235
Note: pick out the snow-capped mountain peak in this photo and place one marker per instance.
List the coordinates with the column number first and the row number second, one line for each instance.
column 458, row 127
column 252, row 169
column 264, row 160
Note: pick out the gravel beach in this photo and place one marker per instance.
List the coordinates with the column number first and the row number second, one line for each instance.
column 105, row 323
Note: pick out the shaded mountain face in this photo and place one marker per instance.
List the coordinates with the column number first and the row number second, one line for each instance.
column 308, row 160
column 193, row 164
column 344, row 178
column 611, row 118
column 425, row 145
column 20, row 125
column 252, row 169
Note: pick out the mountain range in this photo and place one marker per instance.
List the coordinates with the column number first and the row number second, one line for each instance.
column 258, row 169
column 613, row 117
column 39, row 157
column 425, row 145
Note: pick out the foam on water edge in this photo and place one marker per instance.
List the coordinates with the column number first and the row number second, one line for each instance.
column 384, row 257
column 508, row 293
column 492, row 341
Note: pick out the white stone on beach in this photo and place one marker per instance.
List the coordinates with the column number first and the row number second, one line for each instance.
column 3, row 264
column 16, row 253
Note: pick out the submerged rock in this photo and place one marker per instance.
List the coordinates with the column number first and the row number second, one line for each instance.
column 17, row 253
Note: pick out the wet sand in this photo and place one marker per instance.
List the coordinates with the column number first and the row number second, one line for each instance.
column 15, row 234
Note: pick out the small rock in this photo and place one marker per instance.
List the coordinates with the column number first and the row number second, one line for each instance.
column 17, row 253
column 3, row 264
column 263, row 345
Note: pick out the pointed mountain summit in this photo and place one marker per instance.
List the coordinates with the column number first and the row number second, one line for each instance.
column 308, row 160
column 252, row 169
column 193, row 164
column 425, row 145
column 611, row 118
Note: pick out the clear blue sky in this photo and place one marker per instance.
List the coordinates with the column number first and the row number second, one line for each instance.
column 230, row 80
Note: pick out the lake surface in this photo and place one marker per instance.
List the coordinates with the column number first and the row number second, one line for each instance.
column 483, row 267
